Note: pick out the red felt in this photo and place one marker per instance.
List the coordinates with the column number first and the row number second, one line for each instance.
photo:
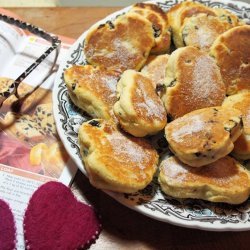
column 54, row 219
column 7, row 228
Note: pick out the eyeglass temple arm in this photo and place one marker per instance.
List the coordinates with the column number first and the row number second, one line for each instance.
column 39, row 32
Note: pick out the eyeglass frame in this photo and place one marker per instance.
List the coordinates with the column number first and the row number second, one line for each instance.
column 55, row 45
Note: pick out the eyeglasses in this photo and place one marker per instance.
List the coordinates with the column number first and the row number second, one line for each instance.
column 55, row 46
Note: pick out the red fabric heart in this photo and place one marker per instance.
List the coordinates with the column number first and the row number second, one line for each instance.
column 7, row 228
column 54, row 219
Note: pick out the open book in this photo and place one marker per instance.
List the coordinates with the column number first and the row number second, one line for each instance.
column 31, row 152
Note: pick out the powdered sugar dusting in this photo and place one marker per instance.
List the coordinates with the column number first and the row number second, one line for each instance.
column 122, row 146
column 201, row 30
column 205, row 37
column 110, row 81
column 152, row 107
column 207, row 32
column 204, row 77
column 102, row 82
column 156, row 69
column 123, row 53
column 128, row 151
column 195, row 125
column 223, row 172
column 174, row 170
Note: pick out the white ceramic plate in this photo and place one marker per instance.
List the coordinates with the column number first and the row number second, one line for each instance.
column 150, row 201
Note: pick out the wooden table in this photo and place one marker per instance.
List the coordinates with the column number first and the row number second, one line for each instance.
column 122, row 227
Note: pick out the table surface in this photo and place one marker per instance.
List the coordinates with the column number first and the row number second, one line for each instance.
column 122, row 227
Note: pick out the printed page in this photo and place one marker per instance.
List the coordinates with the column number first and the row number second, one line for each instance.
column 34, row 125
column 31, row 152
column 11, row 42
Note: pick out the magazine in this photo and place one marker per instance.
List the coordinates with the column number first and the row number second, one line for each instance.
column 31, row 152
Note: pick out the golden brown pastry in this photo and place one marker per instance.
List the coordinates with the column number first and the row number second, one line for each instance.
column 155, row 70
column 193, row 81
column 139, row 109
column 231, row 51
column 205, row 135
column 179, row 12
column 120, row 45
column 113, row 160
column 228, row 17
column 160, row 25
column 241, row 102
column 92, row 89
column 201, row 30
column 222, row 181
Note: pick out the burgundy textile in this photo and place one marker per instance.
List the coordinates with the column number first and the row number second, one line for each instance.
column 7, row 227
column 54, row 219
